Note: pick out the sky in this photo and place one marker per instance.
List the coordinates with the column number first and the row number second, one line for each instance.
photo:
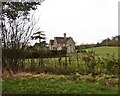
column 86, row 21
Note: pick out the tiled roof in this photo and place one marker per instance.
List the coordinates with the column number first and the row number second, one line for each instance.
column 61, row 40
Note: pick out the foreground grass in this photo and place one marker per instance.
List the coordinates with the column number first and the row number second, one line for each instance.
column 53, row 84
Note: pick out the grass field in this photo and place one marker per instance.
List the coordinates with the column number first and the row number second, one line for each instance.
column 105, row 49
column 53, row 84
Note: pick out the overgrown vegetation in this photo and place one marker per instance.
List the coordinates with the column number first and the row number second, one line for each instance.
column 83, row 71
column 57, row 62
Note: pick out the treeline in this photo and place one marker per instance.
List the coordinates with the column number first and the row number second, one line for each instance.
column 114, row 41
column 110, row 43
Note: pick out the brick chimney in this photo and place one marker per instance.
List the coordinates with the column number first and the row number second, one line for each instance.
column 64, row 36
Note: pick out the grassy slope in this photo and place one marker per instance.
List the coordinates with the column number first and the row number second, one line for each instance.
column 54, row 84
column 105, row 49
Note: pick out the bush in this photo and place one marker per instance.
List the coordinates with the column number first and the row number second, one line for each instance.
column 111, row 64
column 91, row 62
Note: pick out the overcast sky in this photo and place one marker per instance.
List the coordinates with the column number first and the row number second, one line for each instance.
column 87, row 21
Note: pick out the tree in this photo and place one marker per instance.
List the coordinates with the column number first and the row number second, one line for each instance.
column 42, row 43
column 38, row 35
column 17, row 27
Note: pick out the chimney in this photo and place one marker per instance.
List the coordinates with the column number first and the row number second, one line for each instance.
column 64, row 36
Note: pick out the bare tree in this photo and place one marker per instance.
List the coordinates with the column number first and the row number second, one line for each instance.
column 17, row 26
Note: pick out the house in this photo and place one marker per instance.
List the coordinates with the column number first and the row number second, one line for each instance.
column 62, row 42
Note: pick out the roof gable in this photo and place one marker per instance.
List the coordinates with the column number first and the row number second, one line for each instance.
column 70, row 40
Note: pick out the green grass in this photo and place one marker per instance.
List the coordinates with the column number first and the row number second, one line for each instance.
column 105, row 49
column 53, row 84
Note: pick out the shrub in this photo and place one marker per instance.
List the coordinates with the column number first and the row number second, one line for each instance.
column 111, row 64
column 91, row 62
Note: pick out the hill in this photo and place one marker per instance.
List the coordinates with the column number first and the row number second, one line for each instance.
column 105, row 49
